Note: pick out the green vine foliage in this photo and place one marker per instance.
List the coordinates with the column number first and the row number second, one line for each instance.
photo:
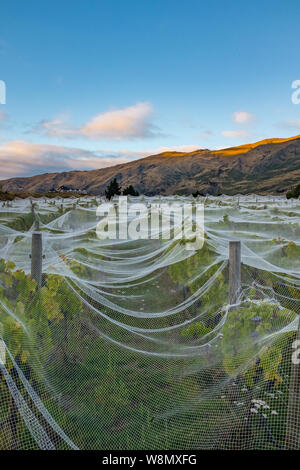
column 242, row 345
column 52, row 315
column 196, row 330
column 39, row 327
column 190, row 268
column 41, row 311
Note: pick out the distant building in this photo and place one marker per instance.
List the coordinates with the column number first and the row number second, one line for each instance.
column 69, row 189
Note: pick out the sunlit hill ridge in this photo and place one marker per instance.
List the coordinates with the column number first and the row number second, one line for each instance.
column 268, row 166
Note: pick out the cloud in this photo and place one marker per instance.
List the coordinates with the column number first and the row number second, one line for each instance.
column 152, row 151
column 175, row 148
column 21, row 158
column 133, row 122
column 242, row 117
column 236, row 134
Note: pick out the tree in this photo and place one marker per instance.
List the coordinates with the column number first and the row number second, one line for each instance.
column 130, row 191
column 113, row 189
column 293, row 193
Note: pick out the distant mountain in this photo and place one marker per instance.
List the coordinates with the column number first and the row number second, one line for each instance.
column 269, row 166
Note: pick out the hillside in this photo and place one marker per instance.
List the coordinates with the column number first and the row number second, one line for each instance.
column 268, row 166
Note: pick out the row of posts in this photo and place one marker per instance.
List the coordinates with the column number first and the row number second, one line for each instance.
column 234, row 263
column 292, row 440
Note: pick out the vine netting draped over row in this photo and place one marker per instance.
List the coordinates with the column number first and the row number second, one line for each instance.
column 132, row 344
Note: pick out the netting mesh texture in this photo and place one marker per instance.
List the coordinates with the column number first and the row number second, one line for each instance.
column 132, row 344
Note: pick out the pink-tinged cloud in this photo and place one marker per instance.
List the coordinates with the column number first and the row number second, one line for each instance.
column 162, row 149
column 236, row 134
column 242, row 117
column 133, row 122
column 21, row 158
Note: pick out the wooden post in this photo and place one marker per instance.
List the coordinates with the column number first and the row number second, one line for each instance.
column 36, row 256
column 36, row 225
column 292, row 436
column 32, row 209
column 234, row 271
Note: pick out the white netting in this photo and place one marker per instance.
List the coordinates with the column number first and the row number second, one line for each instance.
column 132, row 344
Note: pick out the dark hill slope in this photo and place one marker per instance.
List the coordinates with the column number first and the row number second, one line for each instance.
column 267, row 166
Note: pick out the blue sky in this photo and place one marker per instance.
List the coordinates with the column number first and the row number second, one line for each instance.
column 95, row 83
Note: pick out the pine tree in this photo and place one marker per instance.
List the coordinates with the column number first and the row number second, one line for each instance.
column 130, row 191
column 113, row 189
column 293, row 193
